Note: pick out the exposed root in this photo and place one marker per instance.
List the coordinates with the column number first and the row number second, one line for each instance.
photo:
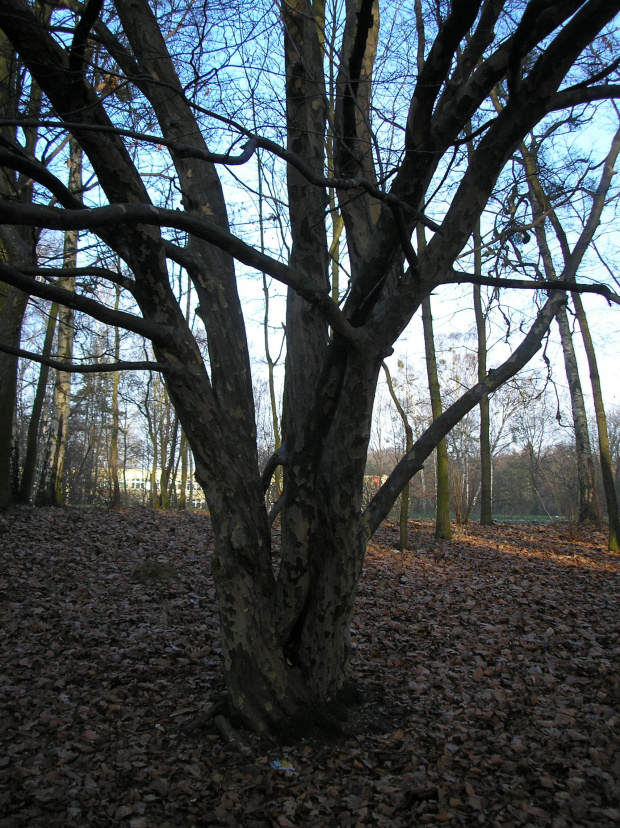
column 233, row 739
column 204, row 718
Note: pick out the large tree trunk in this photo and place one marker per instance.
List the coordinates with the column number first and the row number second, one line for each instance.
column 285, row 641
column 17, row 247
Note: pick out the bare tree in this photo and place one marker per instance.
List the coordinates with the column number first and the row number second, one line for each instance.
column 285, row 639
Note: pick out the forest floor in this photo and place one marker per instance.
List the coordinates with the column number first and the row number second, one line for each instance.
column 489, row 664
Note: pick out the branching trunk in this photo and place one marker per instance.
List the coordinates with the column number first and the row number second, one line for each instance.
column 285, row 640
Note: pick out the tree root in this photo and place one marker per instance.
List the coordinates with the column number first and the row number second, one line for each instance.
column 233, row 739
column 230, row 735
column 204, row 718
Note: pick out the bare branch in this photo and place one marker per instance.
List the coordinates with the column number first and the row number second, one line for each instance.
column 144, row 327
column 255, row 142
column 97, row 368
column 379, row 507
column 64, row 272
column 80, row 37
column 278, row 458
column 132, row 214
column 521, row 284
column 29, row 166
column 576, row 95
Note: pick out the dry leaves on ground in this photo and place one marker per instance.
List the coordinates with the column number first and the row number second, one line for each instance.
column 489, row 664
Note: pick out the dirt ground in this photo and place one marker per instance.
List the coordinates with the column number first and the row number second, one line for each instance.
column 488, row 665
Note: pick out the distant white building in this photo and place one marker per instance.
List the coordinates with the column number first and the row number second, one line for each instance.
column 139, row 480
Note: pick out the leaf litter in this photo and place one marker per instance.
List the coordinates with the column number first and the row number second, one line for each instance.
column 489, row 668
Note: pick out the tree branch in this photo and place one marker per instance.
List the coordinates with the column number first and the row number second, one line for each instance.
column 144, row 327
column 278, row 458
column 23, row 163
column 180, row 149
column 133, row 214
column 520, row 284
column 576, row 95
column 98, row 368
column 63, row 272
column 80, row 37
column 379, row 507
column 255, row 142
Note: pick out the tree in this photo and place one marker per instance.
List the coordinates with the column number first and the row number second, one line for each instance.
column 52, row 485
column 285, row 639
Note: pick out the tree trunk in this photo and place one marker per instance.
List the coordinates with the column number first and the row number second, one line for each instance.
column 443, row 529
column 486, row 492
column 12, row 308
column 589, row 510
column 52, row 486
column 183, row 489
column 32, row 441
column 285, row 641
column 404, row 497
column 115, row 493
column 601, row 422
column 17, row 247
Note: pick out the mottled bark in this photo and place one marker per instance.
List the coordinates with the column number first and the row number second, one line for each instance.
column 12, row 308
column 17, row 247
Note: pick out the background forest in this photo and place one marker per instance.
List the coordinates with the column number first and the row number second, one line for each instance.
column 125, row 446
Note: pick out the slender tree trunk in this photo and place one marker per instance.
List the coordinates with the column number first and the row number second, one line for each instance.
column 168, row 481
column 52, row 488
column 183, row 491
column 601, row 422
column 277, row 478
column 486, row 492
column 115, row 499
column 443, row 529
column 12, row 308
column 589, row 510
column 404, row 497
column 32, row 440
